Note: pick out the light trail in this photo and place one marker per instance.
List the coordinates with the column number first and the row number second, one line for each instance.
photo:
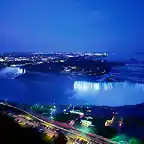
column 98, row 139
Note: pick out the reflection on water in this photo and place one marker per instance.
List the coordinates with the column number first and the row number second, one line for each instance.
column 49, row 88
column 112, row 93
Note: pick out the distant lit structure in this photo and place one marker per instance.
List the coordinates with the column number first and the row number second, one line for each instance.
column 116, row 119
column 61, row 60
column 121, row 122
column 86, row 123
column 71, row 122
column 1, row 59
column 110, row 122
column 76, row 112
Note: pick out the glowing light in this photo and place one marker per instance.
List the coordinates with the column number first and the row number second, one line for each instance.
column 71, row 122
column 76, row 112
column 20, row 71
column 13, row 65
column 88, row 110
column 28, row 118
column 73, row 67
column 61, row 60
column 110, row 122
column 24, row 71
column 53, row 110
column 84, row 130
column 86, row 86
column 96, row 86
column 108, row 86
column 121, row 122
column 86, row 123
column 91, row 87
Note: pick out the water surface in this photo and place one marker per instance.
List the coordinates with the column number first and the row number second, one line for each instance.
column 46, row 88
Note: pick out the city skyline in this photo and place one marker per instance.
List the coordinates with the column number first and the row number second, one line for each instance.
column 43, row 26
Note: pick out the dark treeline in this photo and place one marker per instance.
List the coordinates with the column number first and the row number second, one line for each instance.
column 87, row 66
column 13, row 133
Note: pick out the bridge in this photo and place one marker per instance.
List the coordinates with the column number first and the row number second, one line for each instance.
column 96, row 139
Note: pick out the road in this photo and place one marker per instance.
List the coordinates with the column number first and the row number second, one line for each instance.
column 96, row 139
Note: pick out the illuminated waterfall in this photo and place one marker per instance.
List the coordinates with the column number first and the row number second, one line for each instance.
column 112, row 93
column 84, row 86
column 11, row 72
column 89, row 86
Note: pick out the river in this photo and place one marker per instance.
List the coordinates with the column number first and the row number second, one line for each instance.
column 61, row 89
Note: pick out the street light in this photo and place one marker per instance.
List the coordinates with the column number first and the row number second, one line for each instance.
column 51, row 117
column 64, row 110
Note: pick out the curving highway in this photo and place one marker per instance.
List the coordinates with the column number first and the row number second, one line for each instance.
column 96, row 139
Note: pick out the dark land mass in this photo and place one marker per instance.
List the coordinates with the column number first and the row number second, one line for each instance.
column 12, row 133
column 132, row 115
column 85, row 65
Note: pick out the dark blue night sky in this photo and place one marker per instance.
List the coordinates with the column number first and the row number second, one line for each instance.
column 72, row 25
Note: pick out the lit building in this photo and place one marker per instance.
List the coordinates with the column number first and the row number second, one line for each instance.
column 77, row 112
column 86, row 123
